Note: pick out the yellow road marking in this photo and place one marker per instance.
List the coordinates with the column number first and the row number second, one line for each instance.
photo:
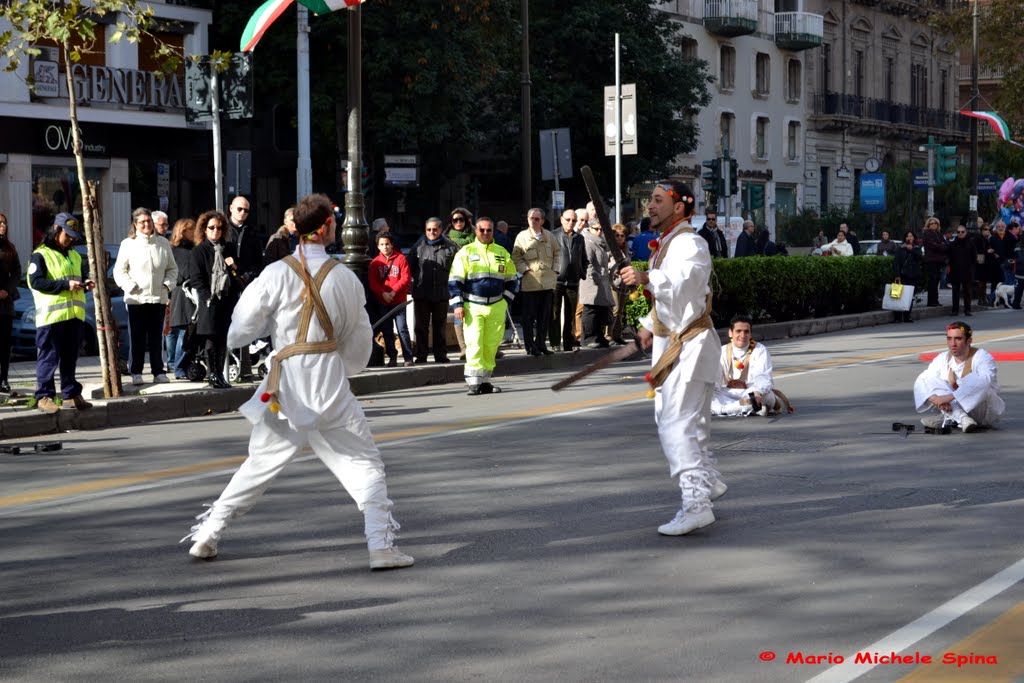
column 54, row 493
column 1000, row 638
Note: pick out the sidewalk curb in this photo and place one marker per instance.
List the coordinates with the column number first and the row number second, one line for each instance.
column 139, row 409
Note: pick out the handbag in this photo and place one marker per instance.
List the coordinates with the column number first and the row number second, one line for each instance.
column 902, row 302
column 896, row 290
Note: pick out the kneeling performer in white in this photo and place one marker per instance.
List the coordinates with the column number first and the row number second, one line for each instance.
column 960, row 384
column 746, row 369
column 313, row 309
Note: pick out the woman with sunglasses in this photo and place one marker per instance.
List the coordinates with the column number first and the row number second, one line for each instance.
column 213, row 274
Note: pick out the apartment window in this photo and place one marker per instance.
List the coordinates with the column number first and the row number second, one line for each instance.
column 943, row 89
column 688, row 48
column 763, row 70
column 890, row 79
column 761, row 137
column 794, row 74
column 726, row 125
column 826, row 68
column 858, row 73
column 727, row 67
column 793, row 141
column 918, row 85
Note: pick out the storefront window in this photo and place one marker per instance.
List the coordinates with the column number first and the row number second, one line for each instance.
column 55, row 189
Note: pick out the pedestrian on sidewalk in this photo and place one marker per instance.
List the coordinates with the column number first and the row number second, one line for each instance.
column 59, row 280
column 389, row 281
column 430, row 260
column 313, row 310
column 180, row 350
column 10, row 278
column 147, row 272
column 213, row 274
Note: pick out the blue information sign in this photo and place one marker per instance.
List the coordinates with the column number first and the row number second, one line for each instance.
column 872, row 192
column 921, row 178
column 987, row 184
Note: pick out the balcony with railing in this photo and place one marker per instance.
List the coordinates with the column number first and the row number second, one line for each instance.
column 843, row 110
column 799, row 30
column 730, row 18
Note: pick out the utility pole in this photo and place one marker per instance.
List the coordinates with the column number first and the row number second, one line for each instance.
column 973, row 213
column 526, row 133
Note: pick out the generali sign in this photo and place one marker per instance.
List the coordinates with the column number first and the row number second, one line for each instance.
column 127, row 87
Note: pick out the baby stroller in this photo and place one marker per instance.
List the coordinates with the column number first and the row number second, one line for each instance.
column 194, row 368
column 259, row 353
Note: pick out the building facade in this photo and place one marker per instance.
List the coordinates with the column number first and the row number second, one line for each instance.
column 138, row 147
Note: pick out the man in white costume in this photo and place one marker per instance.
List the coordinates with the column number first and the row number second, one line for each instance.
column 685, row 352
column 313, row 309
column 746, row 369
column 960, row 384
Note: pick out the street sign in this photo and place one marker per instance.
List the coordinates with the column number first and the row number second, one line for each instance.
column 555, row 154
column 234, row 85
column 987, row 184
column 920, row 178
column 401, row 160
column 872, row 192
column 557, row 199
column 629, row 120
column 401, row 176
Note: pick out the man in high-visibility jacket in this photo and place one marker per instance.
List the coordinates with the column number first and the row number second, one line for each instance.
column 59, row 280
column 481, row 283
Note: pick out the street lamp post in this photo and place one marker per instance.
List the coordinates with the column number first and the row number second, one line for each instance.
column 973, row 213
column 355, row 233
column 527, row 133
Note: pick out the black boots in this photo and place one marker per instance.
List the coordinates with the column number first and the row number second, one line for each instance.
column 215, row 369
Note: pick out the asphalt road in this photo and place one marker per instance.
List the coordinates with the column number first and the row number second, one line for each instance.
column 532, row 516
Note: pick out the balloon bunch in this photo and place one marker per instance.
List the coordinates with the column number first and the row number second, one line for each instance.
column 1011, row 201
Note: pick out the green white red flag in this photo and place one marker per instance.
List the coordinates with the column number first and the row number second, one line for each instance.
column 996, row 121
column 268, row 12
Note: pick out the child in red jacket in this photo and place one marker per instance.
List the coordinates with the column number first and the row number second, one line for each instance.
column 390, row 282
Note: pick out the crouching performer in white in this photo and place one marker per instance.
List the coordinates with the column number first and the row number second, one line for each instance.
column 960, row 384
column 685, row 352
column 313, row 309
column 746, row 369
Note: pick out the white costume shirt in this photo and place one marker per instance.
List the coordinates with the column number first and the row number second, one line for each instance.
column 843, row 248
column 759, row 372
column 977, row 393
column 313, row 392
column 680, row 287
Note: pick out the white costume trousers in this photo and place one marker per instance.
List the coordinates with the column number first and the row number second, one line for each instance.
column 682, row 411
column 987, row 406
column 350, row 453
column 727, row 402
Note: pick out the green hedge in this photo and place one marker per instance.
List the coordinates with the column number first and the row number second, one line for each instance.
column 781, row 288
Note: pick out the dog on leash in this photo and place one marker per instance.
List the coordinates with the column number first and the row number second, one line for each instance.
column 1004, row 293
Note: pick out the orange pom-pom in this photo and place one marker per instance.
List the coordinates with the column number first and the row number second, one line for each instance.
column 650, row 394
column 275, row 407
column 265, row 396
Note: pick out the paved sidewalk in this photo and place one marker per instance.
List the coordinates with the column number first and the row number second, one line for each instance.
column 152, row 402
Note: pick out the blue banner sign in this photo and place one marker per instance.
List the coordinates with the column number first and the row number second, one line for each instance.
column 872, row 192
column 987, row 184
column 921, row 178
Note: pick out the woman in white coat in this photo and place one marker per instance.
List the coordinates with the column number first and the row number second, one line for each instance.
column 145, row 269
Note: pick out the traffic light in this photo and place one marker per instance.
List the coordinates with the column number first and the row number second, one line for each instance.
column 756, row 197
column 734, row 178
column 473, row 194
column 945, row 164
column 711, row 178
column 367, row 181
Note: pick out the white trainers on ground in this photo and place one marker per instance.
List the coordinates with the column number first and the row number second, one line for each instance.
column 718, row 489
column 933, row 421
column 204, row 550
column 683, row 523
column 137, row 380
column 968, row 424
column 161, row 379
column 389, row 558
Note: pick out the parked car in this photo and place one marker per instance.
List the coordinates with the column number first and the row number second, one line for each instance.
column 867, row 247
column 23, row 330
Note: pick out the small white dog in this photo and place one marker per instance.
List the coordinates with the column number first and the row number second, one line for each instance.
column 1004, row 293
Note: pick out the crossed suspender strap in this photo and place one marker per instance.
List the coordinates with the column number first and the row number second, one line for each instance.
column 746, row 363
column 313, row 303
column 967, row 370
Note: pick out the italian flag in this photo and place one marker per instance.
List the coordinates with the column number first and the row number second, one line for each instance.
column 268, row 12
column 994, row 120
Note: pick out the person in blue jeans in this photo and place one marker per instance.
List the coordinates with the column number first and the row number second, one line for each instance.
column 390, row 281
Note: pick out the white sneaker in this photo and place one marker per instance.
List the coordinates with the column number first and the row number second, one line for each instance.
column 718, row 489
column 933, row 421
column 389, row 558
column 161, row 379
column 763, row 412
column 204, row 550
column 683, row 523
column 968, row 424
column 137, row 380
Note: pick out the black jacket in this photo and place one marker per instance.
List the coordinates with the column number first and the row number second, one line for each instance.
column 181, row 307
column 717, row 243
column 907, row 265
column 214, row 317
column 572, row 262
column 428, row 266
column 963, row 259
column 10, row 278
column 248, row 250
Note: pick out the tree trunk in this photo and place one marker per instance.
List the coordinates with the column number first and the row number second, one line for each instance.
column 106, row 326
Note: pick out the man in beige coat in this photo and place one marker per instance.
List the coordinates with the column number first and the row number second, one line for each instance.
column 536, row 254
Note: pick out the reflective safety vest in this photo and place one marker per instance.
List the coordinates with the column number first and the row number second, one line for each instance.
column 67, row 305
column 482, row 274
